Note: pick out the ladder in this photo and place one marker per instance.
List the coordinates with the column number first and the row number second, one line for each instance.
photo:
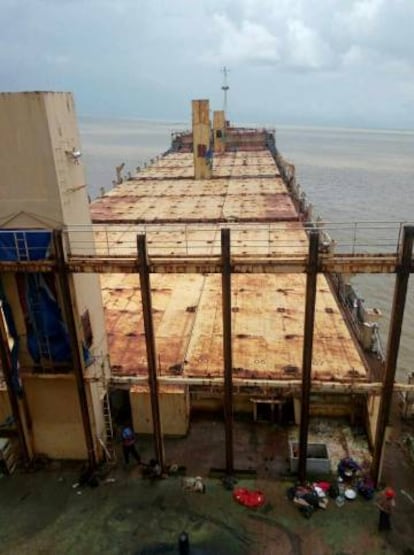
column 22, row 248
column 109, row 447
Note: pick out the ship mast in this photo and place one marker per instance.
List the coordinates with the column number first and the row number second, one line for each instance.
column 225, row 87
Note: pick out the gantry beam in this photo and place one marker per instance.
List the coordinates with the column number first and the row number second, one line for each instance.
column 292, row 386
column 146, row 298
column 68, row 300
column 227, row 349
column 225, row 264
column 394, row 337
column 309, row 324
column 338, row 263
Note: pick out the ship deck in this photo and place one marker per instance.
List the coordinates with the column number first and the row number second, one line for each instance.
column 246, row 187
column 181, row 215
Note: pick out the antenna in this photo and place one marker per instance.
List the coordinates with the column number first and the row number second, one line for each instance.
column 225, row 87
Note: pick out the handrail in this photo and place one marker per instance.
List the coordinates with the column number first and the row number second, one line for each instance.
column 360, row 237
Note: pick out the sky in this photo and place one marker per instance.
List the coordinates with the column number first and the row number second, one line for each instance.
column 301, row 62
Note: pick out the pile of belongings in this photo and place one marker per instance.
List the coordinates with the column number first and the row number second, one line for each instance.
column 348, row 468
column 249, row 498
column 353, row 478
column 366, row 488
column 194, row 484
column 309, row 497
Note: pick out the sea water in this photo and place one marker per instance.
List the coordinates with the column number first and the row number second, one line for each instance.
column 349, row 175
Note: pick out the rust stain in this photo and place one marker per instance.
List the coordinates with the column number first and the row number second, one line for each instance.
column 247, row 194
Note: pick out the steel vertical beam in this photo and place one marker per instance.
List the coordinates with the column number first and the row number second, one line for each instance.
column 144, row 278
column 7, row 368
column 66, row 289
column 227, row 349
column 393, row 345
column 311, row 281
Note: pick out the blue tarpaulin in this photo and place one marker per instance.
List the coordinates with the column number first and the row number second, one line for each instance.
column 47, row 335
column 17, row 245
column 46, row 331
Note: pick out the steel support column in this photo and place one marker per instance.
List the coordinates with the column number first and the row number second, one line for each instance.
column 144, row 277
column 394, row 336
column 7, row 368
column 311, row 280
column 227, row 349
column 66, row 289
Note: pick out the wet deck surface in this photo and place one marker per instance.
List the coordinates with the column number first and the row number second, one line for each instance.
column 41, row 513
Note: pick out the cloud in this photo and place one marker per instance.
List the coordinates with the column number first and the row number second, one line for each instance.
column 148, row 58
column 305, row 48
column 365, row 11
column 261, row 33
column 248, row 42
column 324, row 34
column 354, row 56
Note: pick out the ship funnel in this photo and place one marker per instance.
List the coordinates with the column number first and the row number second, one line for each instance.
column 219, row 131
column 201, row 139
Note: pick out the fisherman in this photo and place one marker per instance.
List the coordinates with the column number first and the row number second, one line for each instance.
column 385, row 504
column 128, row 445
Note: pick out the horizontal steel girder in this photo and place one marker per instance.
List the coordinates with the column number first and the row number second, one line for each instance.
column 294, row 386
column 344, row 263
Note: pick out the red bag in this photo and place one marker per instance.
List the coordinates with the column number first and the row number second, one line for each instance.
column 252, row 499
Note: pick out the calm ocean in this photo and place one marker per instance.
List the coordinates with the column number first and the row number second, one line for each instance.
column 349, row 175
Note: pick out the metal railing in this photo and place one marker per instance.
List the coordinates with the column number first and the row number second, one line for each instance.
column 365, row 237
column 266, row 239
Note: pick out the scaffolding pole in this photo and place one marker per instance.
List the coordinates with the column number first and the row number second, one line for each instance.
column 394, row 336
column 66, row 287
column 227, row 349
column 311, row 281
column 144, row 277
